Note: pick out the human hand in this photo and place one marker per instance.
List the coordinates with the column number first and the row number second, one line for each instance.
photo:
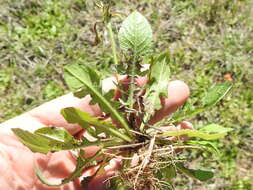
column 17, row 161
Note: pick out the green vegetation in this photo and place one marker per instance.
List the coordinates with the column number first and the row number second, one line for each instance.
column 208, row 41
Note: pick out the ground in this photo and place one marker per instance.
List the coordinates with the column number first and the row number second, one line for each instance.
column 209, row 41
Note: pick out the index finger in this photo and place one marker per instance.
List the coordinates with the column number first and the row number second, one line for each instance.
column 48, row 114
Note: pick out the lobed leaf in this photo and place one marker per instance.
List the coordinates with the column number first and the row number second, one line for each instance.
column 135, row 34
column 73, row 115
column 158, row 79
column 90, row 81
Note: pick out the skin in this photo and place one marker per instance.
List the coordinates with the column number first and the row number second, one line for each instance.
column 17, row 161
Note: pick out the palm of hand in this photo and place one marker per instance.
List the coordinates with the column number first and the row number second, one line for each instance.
column 18, row 161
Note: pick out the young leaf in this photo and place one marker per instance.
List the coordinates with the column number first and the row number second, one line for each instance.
column 73, row 115
column 158, row 81
column 135, row 34
column 90, row 81
column 206, row 133
column 49, row 140
column 201, row 175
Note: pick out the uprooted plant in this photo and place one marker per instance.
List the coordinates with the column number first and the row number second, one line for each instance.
column 149, row 152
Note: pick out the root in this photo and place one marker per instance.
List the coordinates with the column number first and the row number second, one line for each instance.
column 145, row 160
column 142, row 176
column 151, row 158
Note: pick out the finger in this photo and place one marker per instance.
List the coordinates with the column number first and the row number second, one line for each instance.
column 178, row 92
column 181, row 126
column 185, row 125
column 48, row 114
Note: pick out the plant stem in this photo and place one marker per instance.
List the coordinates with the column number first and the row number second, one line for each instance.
column 127, row 146
column 132, row 85
column 111, row 35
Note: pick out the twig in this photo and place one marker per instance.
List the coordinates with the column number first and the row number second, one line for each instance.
column 139, row 133
column 126, row 146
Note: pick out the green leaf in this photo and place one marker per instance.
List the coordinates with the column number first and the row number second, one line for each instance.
column 158, row 81
column 214, row 128
column 35, row 143
column 41, row 177
column 100, row 172
column 73, row 115
column 76, row 74
column 81, row 164
column 50, row 140
column 205, row 133
column 216, row 93
column 201, row 175
column 72, row 82
column 59, row 134
column 135, row 34
column 90, row 81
